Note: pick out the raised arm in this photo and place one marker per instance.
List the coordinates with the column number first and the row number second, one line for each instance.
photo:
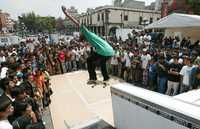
column 70, row 17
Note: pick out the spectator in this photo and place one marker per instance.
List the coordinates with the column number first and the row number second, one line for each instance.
column 195, row 73
column 145, row 58
column 114, row 64
column 162, row 74
column 6, row 109
column 173, row 77
column 186, row 76
column 152, row 78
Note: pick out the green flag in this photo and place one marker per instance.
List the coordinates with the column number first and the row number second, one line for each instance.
column 102, row 47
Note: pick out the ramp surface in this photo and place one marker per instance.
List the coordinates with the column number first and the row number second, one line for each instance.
column 75, row 104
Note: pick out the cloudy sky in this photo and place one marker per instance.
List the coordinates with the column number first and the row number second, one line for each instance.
column 50, row 7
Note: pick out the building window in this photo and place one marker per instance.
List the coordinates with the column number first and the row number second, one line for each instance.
column 140, row 20
column 98, row 17
column 90, row 19
column 102, row 16
column 84, row 21
column 126, row 18
column 151, row 20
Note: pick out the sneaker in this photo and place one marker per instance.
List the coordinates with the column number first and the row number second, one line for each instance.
column 91, row 82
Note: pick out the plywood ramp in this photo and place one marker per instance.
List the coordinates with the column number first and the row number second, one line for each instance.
column 75, row 103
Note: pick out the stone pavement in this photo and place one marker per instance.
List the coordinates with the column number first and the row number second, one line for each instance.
column 77, row 105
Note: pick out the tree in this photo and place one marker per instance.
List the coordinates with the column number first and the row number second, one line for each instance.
column 30, row 21
column 35, row 23
column 60, row 24
column 194, row 6
column 46, row 24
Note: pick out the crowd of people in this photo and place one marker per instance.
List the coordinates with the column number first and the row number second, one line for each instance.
column 24, row 86
column 166, row 65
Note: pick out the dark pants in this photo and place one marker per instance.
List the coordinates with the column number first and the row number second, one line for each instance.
column 115, row 70
column 92, row 62
column 162, row 81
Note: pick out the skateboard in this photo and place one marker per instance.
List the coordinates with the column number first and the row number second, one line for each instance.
column 105, row 84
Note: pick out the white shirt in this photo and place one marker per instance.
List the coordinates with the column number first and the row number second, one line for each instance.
column 128, row 61
column 145, row 59
column 2, row 59
column 140, row 40
column 114, row 61
column 4, row 124
column 186, row 72
column 3, row 73
column 180, row 61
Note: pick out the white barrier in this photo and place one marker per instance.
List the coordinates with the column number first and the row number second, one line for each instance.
column 137, row 108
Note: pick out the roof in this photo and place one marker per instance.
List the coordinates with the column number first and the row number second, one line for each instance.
column 121, row 8
column 176, row 20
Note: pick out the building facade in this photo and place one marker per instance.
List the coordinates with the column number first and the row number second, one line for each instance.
column 178, row 6
column 117, row 3
column 158, row 5
column 133, row 4
column 6, row 23
column 129, row 4
column 105, row 20
column 69, row 25
column 152, row 6
column 174, row 6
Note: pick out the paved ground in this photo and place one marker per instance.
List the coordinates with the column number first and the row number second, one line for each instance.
column 76, row 105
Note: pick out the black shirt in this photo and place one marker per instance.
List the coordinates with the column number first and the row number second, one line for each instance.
column 176, row 68
column 162, row 72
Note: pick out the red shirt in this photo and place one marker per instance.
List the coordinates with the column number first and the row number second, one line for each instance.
column 62, row 56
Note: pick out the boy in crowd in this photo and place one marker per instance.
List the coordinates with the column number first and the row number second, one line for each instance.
column 186, row 75
column 6, row 109
column 162, row 74
column 173, row 77
column 195, row 73
column 152, row 78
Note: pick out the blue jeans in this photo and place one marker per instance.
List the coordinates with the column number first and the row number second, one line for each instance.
column 162, row 81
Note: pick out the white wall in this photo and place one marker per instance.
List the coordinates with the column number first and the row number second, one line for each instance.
column 129, row 110
column 114, row 16
column 130, row 116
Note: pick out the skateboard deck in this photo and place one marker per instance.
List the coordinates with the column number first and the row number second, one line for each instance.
column 105, row 84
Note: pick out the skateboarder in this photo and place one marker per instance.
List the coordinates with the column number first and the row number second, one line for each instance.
column 103, row 51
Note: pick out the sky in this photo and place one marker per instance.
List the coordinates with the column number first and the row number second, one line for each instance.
column 50, row 7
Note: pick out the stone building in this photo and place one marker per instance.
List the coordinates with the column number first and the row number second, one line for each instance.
column 68, row 23
column 129, row 4
column 105, row 20
column 6, row 23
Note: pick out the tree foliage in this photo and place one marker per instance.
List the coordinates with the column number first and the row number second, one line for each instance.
column 35, row 23
column 194, row 5
column 60, row 24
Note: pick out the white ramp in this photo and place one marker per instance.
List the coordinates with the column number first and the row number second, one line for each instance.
column 137, row 108
column 75, row 104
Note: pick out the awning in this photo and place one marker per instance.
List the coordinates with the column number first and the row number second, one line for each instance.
column 176, row 20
